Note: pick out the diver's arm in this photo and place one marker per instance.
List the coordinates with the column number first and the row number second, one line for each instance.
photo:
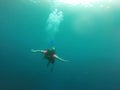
column 39, row 51
column 60, row 59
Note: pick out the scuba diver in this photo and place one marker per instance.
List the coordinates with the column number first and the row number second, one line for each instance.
column 50, row 55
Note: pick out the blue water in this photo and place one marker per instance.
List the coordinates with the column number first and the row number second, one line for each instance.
column 88, row 38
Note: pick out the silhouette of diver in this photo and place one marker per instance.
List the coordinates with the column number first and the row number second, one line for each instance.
column 50, row 55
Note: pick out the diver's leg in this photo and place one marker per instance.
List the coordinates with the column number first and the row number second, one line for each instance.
column 52, row 61
column 52, row 67
column 48, row 64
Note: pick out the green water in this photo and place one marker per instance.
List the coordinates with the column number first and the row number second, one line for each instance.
column 88, row 37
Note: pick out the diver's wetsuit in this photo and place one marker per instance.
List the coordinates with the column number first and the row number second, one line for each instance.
column 49, row 54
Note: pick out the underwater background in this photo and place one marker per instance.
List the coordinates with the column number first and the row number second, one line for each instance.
column 86, row 35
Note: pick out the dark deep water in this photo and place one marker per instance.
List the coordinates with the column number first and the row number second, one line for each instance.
column 92, row 47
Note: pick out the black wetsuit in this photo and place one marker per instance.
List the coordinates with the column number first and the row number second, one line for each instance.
column 49, row 55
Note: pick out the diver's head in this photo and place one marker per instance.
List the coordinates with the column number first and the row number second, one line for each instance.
column 53, row 48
